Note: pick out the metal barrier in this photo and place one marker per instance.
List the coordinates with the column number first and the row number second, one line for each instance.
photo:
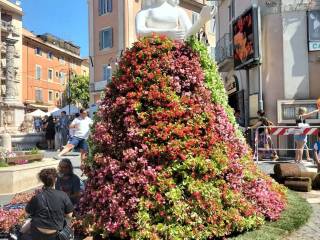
column 282, row 131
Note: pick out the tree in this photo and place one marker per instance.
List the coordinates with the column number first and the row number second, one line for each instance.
column 79, row 91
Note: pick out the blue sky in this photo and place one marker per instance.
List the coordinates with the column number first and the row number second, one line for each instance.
column 67, row 19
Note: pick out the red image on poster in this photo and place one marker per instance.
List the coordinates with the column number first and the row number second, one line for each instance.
column 244, row 39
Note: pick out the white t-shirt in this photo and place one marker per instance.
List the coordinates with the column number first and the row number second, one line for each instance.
column 315, row 147
column 82, row 127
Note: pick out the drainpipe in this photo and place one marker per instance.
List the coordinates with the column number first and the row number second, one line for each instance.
column 260, row 103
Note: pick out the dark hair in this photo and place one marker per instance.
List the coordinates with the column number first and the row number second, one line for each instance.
column 261, row 113
column 48, row 176
column 67, row 161
column 50, row 119
column 64, row 112
column 82, row 110
column 77, row 115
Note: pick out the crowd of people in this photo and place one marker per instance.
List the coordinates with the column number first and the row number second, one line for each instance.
column 65, row 133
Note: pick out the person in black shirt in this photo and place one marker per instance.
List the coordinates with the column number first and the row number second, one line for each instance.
column 50, row 132
column 263, row 137
column 49, row 208
column 67, row 181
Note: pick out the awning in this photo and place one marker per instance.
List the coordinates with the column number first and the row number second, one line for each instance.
column 192, row 5
column 38, row 106
column 37, row 113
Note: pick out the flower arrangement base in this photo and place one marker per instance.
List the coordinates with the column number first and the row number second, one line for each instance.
column 167, row 159
column 20, row 178
column 28, row 157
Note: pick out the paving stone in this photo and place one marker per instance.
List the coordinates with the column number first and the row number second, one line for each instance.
column 311, row 230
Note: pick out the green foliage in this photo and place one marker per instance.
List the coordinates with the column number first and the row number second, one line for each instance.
column 213, row 79
column 79, row 88
column 3, row 164
column 294, row 216
column 34, row 151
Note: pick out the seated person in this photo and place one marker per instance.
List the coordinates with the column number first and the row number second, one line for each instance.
column 48, row 209
column 67, row 181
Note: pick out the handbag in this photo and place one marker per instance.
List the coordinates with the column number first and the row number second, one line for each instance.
column 66, row 233
column 26, row 227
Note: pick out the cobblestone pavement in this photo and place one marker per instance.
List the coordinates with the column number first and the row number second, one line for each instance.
column 311, row 230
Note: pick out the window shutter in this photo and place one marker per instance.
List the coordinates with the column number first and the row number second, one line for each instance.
column 109, row 35
column 100, row 7
column 100, row 39
column 109, row 6
column 109, row 73
column 104, row 73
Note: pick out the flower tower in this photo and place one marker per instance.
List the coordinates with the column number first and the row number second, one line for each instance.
column 167, row 160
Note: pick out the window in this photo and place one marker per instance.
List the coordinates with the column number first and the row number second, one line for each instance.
column 73, row 65
column 105, row 6
column 57, row 96
column 231, row 10
column 107, row 73
column 105, row 38
column 62, row 77
column 50, row 96
column 195, row 17
column 38, row 72
column 38, row 95
column 57, row 74
column 38, row 51
column 61, row 60
column 50, row 74
column 50, row 55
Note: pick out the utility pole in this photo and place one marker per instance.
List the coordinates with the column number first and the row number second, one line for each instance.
column 69, row 91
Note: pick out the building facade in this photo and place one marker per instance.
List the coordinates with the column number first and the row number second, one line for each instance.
column 285, row 73
column 112, row 29
column 48, row 64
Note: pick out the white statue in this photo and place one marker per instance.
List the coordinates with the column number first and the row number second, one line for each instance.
column 165, row 17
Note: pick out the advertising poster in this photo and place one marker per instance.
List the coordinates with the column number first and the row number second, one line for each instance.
column 246, row 39
column 314, row 30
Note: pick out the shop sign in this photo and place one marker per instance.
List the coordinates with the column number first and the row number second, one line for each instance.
column 314, row 46
column 314, row 30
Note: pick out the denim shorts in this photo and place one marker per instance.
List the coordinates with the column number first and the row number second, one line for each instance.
column 300, row 138
column 79, row 143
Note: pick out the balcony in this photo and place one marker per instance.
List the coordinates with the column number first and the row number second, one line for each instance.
column 224, row 53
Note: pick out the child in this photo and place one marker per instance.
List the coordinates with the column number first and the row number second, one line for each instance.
column 316, row 154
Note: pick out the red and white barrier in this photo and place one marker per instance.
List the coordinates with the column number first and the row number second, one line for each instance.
column 282, row 131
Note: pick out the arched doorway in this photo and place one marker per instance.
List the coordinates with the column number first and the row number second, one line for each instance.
column 235, row 96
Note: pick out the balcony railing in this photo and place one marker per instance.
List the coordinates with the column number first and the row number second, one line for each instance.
column 224, row 49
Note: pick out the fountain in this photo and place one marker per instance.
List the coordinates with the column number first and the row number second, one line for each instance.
column 19, row 169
